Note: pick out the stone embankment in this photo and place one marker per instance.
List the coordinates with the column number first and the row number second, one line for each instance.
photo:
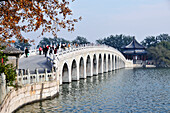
column 14, row 98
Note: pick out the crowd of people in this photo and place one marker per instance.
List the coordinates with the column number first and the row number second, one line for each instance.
column 52, row 49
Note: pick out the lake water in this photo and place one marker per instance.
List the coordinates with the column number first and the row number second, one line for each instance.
column 125, row 90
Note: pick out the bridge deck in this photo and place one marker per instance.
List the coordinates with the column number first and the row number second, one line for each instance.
column 33, row 62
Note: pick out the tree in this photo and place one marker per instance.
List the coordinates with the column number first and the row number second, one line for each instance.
column 17, row 16
column 149, row 41
column 163, row 37
column 160, row 54
column 7, row 69
column 116, row 41
column 21, row 45
column 165, row 44
column 80, row 40
column 154, row 40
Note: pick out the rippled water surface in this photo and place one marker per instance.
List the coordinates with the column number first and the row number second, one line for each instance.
column 125, row 90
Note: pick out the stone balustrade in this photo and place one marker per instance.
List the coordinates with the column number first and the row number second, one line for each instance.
column 32, row 87
column 24, row 77
column 52, row 57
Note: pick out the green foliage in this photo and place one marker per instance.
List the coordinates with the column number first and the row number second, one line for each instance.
column 7, row 69
column 149, row 41
column 153, row 41
column 161, row 54
column 165, row 44
column 116, row 41
column 21, row 44
column 80, row 40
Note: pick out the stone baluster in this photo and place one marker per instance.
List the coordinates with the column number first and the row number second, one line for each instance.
column 53, row 73
column 48, row 52
column 53, row 51
column 28, row 76
column 37, row 75
column 46, row 75
column 17, row 72
column 3, row 87
column 22, row 77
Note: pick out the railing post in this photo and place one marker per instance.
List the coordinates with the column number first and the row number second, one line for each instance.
column 53, row 73
column 37, row 75
column 2, row 87
column 48, row 52
column 28, row 72
column 22, row 76
column 46, row 76
column 17, row 72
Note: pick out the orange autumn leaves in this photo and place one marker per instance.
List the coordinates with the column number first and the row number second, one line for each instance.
column 18, row 16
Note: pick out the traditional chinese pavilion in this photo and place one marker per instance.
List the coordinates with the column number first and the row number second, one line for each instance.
column 135, row 51
column 13, row 54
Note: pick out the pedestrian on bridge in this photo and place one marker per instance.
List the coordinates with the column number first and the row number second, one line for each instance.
column 55, row 50
column 40, row 50
column 46, row 50
column 26, row 52
column 43, row 49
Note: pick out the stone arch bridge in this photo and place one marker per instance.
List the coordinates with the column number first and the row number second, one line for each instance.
column 85, row 61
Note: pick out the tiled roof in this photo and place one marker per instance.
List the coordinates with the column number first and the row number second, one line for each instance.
column 11, row 50
column 134, row 45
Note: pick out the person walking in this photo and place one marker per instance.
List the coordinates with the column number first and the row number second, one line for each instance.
column 55, row 50
column 76, row 45
column 51, row 50
column 26, row 52
column 46, row 50
column 43, row 49
column 40, row 50
column 69, row 46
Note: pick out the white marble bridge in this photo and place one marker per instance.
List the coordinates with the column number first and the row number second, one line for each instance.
column 77, row 63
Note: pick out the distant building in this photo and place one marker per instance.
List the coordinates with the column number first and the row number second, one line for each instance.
column 135, row 51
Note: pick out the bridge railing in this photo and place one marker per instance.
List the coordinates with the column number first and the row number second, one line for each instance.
column 52, row 57
column 73, row 49
column 24, row 77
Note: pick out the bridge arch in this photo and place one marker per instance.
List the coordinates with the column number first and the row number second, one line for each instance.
column 65, row 73
column 81, row 68
column 104, row 63
column 116, row 61
column 74, row 70
column 113, row 63
column 88, row 66
column 109, row 63
column 94, row 64
column 100, row 66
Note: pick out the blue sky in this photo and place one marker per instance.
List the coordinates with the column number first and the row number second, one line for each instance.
column 102, row 18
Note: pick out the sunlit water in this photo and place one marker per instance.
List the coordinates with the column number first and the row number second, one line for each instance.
column 125, row 90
